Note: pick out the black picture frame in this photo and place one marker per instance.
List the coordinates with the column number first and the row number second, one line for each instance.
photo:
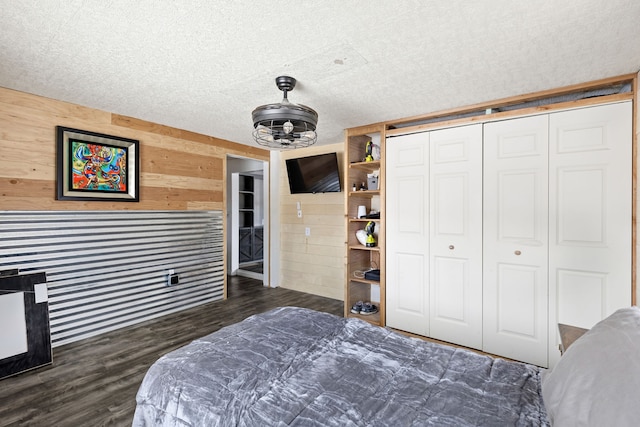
column 93, row 166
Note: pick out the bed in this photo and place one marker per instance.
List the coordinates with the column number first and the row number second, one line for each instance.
column 295, row 366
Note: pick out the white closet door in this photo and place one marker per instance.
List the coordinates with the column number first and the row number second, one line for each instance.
column 455, row 251
column 515, row 240
column 591, row 197
column 407, row 233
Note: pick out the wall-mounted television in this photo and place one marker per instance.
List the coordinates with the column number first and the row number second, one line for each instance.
column 314, row 174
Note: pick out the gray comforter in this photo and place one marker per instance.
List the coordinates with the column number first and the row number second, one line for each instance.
column 293, row 366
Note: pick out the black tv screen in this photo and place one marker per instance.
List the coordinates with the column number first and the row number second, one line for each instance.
column 314, row 174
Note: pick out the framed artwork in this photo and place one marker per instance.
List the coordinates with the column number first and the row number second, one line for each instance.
column 94, row 166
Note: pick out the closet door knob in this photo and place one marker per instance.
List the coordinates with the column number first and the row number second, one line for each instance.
column 517, row 252
column 451, row 247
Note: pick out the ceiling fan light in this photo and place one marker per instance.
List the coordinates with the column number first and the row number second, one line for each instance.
column 285, row 125
column 308, row 134
column 263, row 130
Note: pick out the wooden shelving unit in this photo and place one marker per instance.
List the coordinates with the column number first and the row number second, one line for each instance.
column 360, row 258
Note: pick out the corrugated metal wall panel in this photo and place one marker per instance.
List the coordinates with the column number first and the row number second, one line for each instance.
column 108, row 270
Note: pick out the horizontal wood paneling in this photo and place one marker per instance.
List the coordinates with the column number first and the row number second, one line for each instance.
column 47, row 107
column 18, row 187
column 133, row 123
column 160, row 160
column 315, row 263
column 179, row 170
column 178, row 193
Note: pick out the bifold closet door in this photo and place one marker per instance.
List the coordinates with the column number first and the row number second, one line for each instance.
column 407, row 233
column 455, row 246
column 591, row 206
column 515, row 217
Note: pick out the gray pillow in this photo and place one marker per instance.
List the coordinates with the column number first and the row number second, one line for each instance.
column 597, row 380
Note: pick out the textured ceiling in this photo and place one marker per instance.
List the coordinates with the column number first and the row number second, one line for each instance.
column 204, row 65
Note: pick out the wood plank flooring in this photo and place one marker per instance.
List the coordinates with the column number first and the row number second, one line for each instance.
column 94, row 382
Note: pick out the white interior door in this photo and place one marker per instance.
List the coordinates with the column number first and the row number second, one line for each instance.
column 407, row 233
column 590, row 205
column 455, row 251
column 515, row 240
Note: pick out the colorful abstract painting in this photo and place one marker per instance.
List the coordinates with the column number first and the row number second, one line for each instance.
column 98, row 167
column 92, row 166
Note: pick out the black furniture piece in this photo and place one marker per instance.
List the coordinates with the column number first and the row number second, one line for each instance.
column 37, row 323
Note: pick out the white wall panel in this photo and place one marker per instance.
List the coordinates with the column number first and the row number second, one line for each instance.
column 449, row 300
column 410, row 289
column 589, row 288
column 581, row 202
column 517, row 201
column 411, row 210
column 449, row 209
column 517, row 295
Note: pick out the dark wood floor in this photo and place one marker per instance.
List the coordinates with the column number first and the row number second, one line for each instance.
column 256, row 267
column 94, row 382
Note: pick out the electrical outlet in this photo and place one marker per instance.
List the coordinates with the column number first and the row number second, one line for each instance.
column 299, row 214
column 307, row 231
column 173, row 279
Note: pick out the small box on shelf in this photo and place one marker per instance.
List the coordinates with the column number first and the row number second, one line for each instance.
column 372, row 182
column 359, row 275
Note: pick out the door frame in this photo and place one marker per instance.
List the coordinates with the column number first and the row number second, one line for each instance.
column 265, row 208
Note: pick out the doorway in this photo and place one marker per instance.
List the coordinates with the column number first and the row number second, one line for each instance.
column 247, row 218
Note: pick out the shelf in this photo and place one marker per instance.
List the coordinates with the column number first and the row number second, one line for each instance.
column 360, row 257
column 363, row 280
column 364, row 193
column 368, row 166
column 371, row 318
column 364, row 248
column 246, row 183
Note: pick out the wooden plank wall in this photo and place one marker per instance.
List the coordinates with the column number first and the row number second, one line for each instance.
column 179, row 170
column 313, row 264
